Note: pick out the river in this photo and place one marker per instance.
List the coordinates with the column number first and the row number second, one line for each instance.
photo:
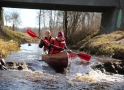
column 39, row 76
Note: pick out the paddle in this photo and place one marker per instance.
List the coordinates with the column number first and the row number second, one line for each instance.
column 81, row 55
column 33, row 34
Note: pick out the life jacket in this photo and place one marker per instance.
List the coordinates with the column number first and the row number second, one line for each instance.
column 55, row 50
column 47, row 41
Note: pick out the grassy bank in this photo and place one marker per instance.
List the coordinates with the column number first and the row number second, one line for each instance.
column 7, row 46
column 106, row 44
column 17, row 36
column 11, row 40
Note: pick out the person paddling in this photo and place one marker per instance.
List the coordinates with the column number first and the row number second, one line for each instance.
column 82, row 55
column 46, row 41
column 59, row 44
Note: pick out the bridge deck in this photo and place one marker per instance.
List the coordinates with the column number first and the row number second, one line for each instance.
column 69, row 5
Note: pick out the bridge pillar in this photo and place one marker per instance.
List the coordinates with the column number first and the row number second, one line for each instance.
column 122, row 15
column 121, row 26
column 1, row 16
column 109, row 21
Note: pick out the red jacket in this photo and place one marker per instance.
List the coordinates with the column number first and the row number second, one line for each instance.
column 45, row 42
column 55, row 50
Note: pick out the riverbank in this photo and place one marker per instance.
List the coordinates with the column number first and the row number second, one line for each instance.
column 10, row 40
column 111, row 45
column 17, row 36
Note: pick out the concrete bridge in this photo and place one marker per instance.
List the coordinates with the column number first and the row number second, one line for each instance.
column 112, row 10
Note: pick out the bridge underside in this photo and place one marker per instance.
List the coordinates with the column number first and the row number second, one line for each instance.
column 108, row 8
column 58, row 7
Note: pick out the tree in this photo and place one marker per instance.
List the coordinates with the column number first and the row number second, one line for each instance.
column 15, row 19
column 12, row 17
column 39, row 21
column 7, row 18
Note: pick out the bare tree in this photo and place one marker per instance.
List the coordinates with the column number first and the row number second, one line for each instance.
column 65, row 23
column 39, row 21
column 7, row 18
column 44, row 18
column 15, row 19
column 51, row 20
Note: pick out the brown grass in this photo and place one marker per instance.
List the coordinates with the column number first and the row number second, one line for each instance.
column 105, row 45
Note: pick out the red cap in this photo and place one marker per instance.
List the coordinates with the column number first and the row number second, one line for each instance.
column 61, row 34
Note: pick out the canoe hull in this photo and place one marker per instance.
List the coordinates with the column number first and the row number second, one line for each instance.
column 58, row 61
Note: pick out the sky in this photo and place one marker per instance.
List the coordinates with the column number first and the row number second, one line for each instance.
column 27, row 16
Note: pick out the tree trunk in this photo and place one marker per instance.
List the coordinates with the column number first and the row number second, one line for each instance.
column 44, row 19
column 65, row 24
column 50, row 20
column 39, row 21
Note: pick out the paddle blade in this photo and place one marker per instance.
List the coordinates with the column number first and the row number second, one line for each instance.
column 31, row 33
column 84, row 56
column 72, row 55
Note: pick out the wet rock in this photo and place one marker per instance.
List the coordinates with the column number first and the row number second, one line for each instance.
column 16, row 65
column 3, row 64
column 29, row 44
column 10, row 65
column 101, row 67
column 20, row 68
column 111, row 67
column 59, row 70
column 119, row 67
column 2, row 67
column 118, row 56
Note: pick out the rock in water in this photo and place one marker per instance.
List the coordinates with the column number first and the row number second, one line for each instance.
column 29, row 44
column 20, row 67
column 3, row 62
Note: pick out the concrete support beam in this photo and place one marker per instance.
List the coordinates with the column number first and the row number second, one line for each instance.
column 109, row 21
column 122, row 16
column 122, row 20
column 109, row 3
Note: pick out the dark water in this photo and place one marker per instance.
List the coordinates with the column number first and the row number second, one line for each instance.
column 39, row 76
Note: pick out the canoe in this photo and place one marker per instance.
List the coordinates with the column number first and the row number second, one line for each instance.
column 58, row 61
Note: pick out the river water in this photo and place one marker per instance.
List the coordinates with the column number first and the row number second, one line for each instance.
column 39, row 76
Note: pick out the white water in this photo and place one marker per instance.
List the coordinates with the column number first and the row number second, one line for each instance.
column 79, row 75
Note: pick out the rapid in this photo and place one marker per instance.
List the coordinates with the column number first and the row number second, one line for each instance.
column 38, row 75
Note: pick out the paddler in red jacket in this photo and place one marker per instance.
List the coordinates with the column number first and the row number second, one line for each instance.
column 59, row 44
column 46, row 40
